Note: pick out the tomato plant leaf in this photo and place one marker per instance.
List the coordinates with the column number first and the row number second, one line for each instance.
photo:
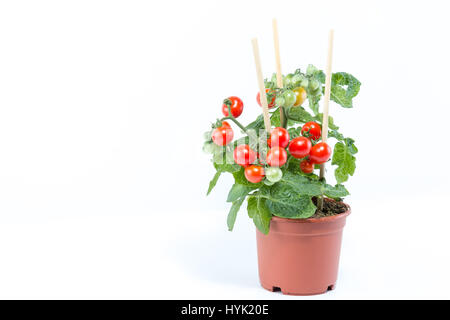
column 302, row 184
column 231, row 219
column 331, row 125
column 252, row 206
column 344, row 159
column 225, row 167
column 238, row 191
column 344, row 87
column 275, row 120
column 257, row 124
column 334, row 134
column 283, row 200
column 213, row 182
column 299, row 114
column 336, row 192
column 262, row 216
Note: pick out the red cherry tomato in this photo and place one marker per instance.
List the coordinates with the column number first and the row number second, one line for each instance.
column 270, row 98
column 236, row 106
column 276, row 157
column 222, row 136
column 306, row 166
column 254, row 173
column 320, row 153
column 313, row 128
column 300, row 147
column 279, row 137
column 244, row 155
column 225, row 124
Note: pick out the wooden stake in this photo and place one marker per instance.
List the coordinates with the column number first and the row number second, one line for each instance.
column 326, row 101
column 326, row 104
column 276, row 44
column 262, row 88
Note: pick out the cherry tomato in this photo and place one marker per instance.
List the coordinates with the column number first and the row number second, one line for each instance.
column 313, row 128
column 279, row 137
column 244, row 155
column 300, row 147
column 320, row 153
column 276, row 157
column 236, row 106
column 222, row 135
column 306, row 166
column 225, row 124
column 300, row 96
column 254, row 173
column 270, row 98
column 274, row 174
column 289, row 98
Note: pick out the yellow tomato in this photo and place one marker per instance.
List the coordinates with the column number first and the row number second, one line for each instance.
column 300, row 96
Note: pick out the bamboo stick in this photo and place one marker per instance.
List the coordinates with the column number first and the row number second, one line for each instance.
column 276, row 43
column 262, row 88
column 326, row 104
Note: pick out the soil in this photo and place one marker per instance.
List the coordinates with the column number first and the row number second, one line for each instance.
column 330, row 208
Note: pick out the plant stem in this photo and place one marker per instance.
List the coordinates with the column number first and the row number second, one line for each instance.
column 235, row 121
column 322, row 178
column 283, row 118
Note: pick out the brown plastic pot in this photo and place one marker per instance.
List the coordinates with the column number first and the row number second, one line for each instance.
column 301, row 256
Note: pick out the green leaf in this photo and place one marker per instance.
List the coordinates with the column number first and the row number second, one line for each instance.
column 238, row 191
column 344, row 87
column 350, row 143
column 302, row 184
column 213, row 182
column 331, row 125
column 257, row 124
column 275, row 120
column 336, row 135
column 336, row 192
column 262, row 216
column 233, row 213
column 344, row 159
column 299, row 114
column 283, row 200
column 252, row 206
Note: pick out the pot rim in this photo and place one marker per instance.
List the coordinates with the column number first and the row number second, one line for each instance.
column 315, row 220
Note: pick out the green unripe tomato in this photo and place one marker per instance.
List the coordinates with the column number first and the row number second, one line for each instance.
column 296, row 79
column 311, row 69
column 268, row 183
column 314, row 84
column 304, row 83
column 279, row 101
column 289, row 98
column 288, row 79
column 274, row 174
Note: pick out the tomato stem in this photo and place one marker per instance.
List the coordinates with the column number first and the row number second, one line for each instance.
column 283, row 118
column 232, row 118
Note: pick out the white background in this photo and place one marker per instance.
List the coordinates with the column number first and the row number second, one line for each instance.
column 102, row 179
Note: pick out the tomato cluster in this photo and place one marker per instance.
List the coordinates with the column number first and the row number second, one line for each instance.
column 306, row 147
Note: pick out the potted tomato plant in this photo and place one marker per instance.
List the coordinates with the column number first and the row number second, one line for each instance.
column 299, row 217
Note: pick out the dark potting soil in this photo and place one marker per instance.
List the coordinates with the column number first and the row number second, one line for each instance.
column 330, row 208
